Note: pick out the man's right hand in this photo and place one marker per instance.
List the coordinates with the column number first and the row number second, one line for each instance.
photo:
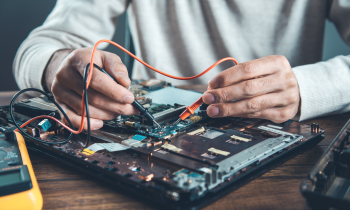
column 107, row 99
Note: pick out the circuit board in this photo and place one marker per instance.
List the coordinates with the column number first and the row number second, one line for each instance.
column 181, row 166
column 165, row 115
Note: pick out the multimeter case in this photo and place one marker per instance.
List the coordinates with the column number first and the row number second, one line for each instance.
column 19, row 188
column 328, row 183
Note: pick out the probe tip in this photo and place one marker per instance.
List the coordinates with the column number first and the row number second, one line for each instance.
column 176, row 122
column 157, row 124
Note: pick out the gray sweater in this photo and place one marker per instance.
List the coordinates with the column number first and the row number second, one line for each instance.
column 185, row 37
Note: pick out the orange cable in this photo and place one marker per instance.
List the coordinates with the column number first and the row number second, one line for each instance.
column 136, row 58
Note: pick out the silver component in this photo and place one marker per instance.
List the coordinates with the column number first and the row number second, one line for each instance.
column 212, row 134
column 40, row 103
column 137, row 91
column 157, row 124
column 186, row 180
column 175, row 196
column 275, row 131
column 235, row 163
column 168, row 111
column 176, row 122
column 132, row 143
column 109, row 137
column 143, row 101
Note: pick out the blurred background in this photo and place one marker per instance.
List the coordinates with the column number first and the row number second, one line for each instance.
column 19, row 17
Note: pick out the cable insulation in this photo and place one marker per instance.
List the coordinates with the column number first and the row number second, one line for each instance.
column 90, row 77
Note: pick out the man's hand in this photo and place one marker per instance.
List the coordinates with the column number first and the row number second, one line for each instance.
column 107, row 99
column 264, row 88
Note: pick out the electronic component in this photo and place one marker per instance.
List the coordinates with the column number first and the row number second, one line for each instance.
column 87, row 151
column 219, row 152
column 212, row 134
column 199, row 130
column 165, row 114
column 171, row 147
column 328, row 183
column 137, row 90
column 7, row 130
column 153, row 84
column 195, row 118
column 132, row 124
column 111, row 147
column 35, row 132
column 36, row 106
column 190, row 110
column 138, row 137
column 238, row 138
column 45, row 124
column 168, row 113
column 143, row 111
column 132, row 143
column 188, row 162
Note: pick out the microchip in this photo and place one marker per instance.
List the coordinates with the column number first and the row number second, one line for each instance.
column 163, row 106
column 212, row 134
column 156, row 109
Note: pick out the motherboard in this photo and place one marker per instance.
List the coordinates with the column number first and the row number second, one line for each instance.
column 180, row 166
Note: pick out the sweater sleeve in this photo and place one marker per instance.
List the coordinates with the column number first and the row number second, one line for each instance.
column 325, row 86
column 70, row 25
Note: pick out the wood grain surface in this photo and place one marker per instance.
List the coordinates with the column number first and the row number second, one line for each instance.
column 66, row 188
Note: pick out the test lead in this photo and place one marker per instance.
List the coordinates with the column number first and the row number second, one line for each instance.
column 189, row 110
column 143, row 111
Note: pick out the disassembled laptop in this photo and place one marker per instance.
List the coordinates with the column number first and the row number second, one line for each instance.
column 181, row 166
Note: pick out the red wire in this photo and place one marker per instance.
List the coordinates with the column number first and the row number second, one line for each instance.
column 90, row 76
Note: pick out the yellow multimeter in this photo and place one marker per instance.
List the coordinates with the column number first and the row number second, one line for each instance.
column 19, row 189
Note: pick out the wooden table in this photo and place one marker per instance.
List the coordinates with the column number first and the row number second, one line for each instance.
column 67, row 188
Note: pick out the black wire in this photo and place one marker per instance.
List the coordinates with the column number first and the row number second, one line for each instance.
column 101, row 69
column 86, row 73
column 53, row 101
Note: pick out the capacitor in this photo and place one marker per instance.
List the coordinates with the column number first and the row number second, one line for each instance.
column 315, row 128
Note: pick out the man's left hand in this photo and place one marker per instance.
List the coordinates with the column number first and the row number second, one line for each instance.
column 264, row 88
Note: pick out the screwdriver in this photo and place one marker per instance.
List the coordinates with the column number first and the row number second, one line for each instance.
column 143, row 111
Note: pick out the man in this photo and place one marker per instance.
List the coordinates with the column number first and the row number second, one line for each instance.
column 278, row 42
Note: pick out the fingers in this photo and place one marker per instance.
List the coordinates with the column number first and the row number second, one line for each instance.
column 96, row 98
column 100, row 81
column 73, row 100
column 253, row 105
column 114, row 66
column 76, row 119
column 248, row 70
column 245, row 89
